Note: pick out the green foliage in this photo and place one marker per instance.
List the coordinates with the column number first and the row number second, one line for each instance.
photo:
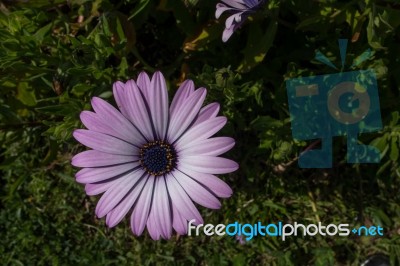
column 56, row 55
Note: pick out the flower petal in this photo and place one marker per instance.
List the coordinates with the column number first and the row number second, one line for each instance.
column 227, row 34
column 210, row 147
column 117, row 192
column 92, row 158
column 178, row 222
column 97, row 123
column 141, row 211
column 252, row 3
column 152, row 228
column 94, row 122
column 98, row 174
column 208, row 164
column 209, row 111
column 239, row 4
column 183, row 92
column 221, row 8
column 185, row 113
column 119, row 96
column 181, row 201
column 143, row 82
column 158, row 103
column 118, row 213
column 201, row 131
column 118, row 124
column 137, row 110
column 104, row 143
column 233, row 19
column 197, row 192
column 162, row 210
column 213, row 183
column 95, row 189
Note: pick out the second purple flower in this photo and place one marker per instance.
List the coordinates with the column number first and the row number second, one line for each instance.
column 240, row 9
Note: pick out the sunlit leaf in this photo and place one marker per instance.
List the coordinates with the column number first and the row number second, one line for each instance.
column 258, row 44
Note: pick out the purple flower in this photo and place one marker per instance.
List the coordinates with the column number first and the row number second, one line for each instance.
column 151, row 159
column 240, row 9
column 241, row 239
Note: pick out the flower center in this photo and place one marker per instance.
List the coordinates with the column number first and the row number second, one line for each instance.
column 157, row 157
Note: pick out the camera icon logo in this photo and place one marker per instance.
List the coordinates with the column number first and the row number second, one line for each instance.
column 340, row 104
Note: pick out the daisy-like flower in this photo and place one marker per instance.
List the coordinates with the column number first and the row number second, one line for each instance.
column 153, row 160
column 240, row 9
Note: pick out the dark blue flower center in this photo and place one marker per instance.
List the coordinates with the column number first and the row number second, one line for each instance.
column 157, row 157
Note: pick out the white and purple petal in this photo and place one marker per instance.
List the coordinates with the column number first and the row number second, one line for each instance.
column 200, row 131
column 118, row 125
column 98, row 188
column 208, row 164
column 238, row 4
column 162, row 208
column 112, row 197
column 179, row 223
column 137, row 110
column 93, row 158
column 210, row 147
column 158, row 103
column 143, row 82
column 185, row 114
column 105, row 143
column 98, row 174
column 141, row 211
column 213, row 183
column 152, row 228
column 119, row 212
column 181, row 201
column 221, row 8
column 209, row 111
column 197, row 192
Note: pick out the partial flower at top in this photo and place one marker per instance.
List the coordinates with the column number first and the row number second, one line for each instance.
column 240, row 9
column 153, row 160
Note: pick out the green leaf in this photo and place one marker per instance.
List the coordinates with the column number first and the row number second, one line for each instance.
column 38, row 3
column 239, row 260
column 105, row 25
column 68, row 109
column 394, row 149
column 379, row 217
column 51, row 153
column 324, row 256
column 25, row 94
column 263, row 123
column 373, row 38
column 395, row 119
column 312, row 21
column 142, row 5
column 41, row 33
column 380, row 143
column 383, row 167
column 272, row 205
column 126, row 30
column 258, row 44
column 81, row 88
column 200, row 40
